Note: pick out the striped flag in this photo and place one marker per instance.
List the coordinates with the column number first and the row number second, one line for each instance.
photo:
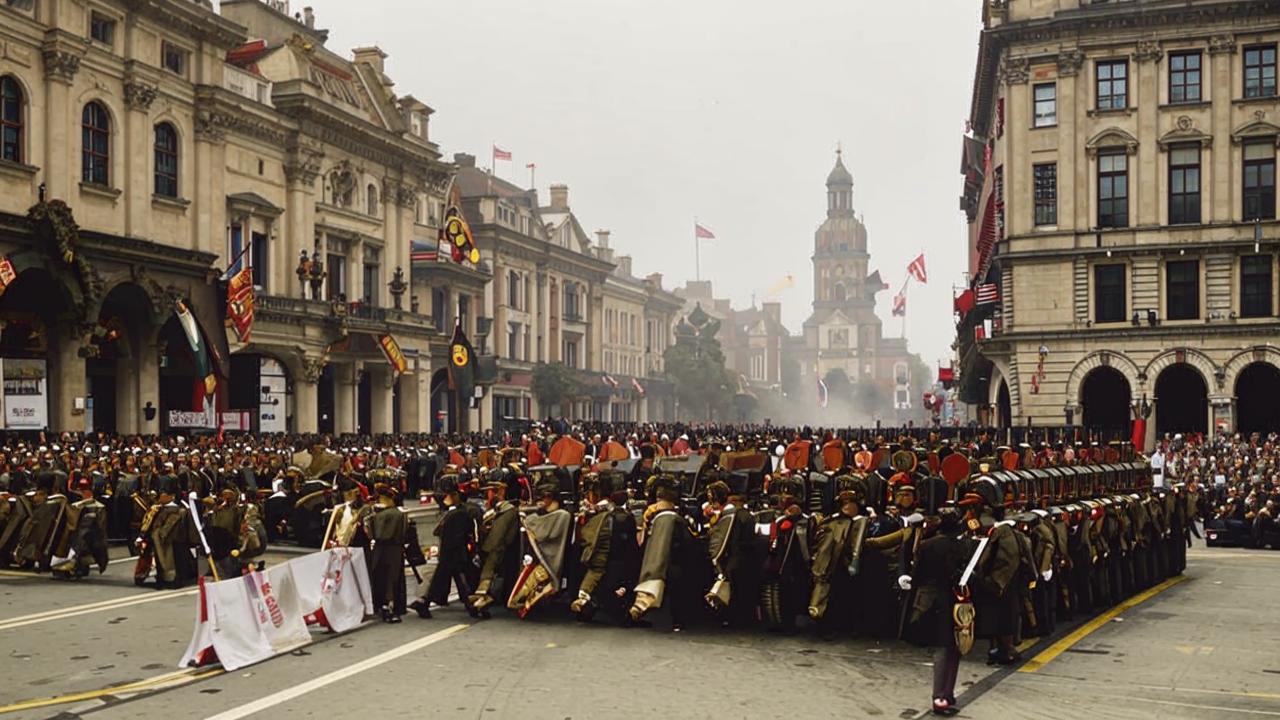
column 635, row 385
column 987, row 294
column 702, row 233
column 610, row 381
column 917, row 271
column 423, row 251
column 500, row 154
column 900, row 304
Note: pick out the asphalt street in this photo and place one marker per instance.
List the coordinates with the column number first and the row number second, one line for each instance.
column 103, row 649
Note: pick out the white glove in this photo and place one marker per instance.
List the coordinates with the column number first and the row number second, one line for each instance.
column 904, row 582
column 913, row 519
column 528, row 560
column 1047, row 575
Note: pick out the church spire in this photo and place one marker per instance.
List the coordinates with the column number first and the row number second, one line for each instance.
column 839, row 187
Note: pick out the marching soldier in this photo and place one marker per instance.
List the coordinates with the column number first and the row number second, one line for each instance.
column 499, row 545
column 83, row 538
column 995, row 597
column 734, row 560
column 784, row 590
column 168, row 539
column 457, row 530
column 386, row 527
column 836, row 558
column 669, row 567
column 545, row 533
column 610, row 555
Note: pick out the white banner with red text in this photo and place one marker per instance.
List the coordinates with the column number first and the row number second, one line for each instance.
column 256, row 616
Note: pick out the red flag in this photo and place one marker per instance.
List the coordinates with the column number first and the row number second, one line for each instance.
column 964, row 302
column 500, row 154
column 240, row 303
column 900, row 304
column 987, row 294
column 916, row 269
column 702, row 233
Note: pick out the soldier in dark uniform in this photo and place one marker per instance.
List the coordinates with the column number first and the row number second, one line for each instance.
column 932, row 617
column 996, row 599
column 784, row 589
column 546, row 531
column 386, row 527
column 836, row 559
column 457, row 530
column 732, row 547
column 499, row 544
column 171, row 536
column 609, row 553
column 83, row 539
column 670, row 566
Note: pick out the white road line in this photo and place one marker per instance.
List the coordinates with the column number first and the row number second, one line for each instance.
column 1220, row 708
column 288, row 694
column 77, row 610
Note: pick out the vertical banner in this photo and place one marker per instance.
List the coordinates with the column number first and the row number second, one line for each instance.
column 240, row 304
column 395, row 357
column 26, row 403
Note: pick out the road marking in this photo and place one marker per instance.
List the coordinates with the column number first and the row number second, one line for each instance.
column 1056, row 649
column 288, row 694
column 1272, row 713
column 18, row 574
column 77, row 610
column 159, row 682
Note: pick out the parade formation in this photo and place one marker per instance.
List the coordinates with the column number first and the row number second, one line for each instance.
column 937, row 541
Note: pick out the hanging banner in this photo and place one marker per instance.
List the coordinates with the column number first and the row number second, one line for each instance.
column 395, row 357
column 240, row 304
column 7, row 275
column 26, row 402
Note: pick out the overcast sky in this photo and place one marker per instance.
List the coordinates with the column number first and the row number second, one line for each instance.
column 655, row 112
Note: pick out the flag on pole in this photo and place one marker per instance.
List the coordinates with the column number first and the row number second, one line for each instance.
column 500, row 154
column 987, row 294
column 822, row 393
column 527, row 166
column 900, row 304
column 702, row 233
column 917, row 271
column 240, row 304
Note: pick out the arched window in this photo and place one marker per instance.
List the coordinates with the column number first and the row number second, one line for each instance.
column 11, row 119
column 371, row 198
column 95, row 145
column 166, row 152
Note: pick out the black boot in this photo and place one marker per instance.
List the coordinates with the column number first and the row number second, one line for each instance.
column 420, row 606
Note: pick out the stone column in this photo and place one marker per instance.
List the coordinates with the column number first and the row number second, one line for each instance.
column 544, row 316
column 411, row 402
column 208, row 189
column 1147, row 69
column 380, row 385
column 60, row 66
column 301, row 167
column 306, row 395
column 136, row 130
column 1224, row 206
column 344, row 398
column 65, row 379
column 128, row 411
column 1072, row 206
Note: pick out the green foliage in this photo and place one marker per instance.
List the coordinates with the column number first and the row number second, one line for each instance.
column 556, row 384
column 695, row 367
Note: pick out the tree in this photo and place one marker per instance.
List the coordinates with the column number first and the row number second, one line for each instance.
column 695, row 367
column 556, row 384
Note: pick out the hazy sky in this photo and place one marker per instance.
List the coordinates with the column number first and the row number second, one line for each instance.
column 658, row 111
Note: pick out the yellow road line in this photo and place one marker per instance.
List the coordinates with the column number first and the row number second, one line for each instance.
column 155, row 683
column 1056, row 649
column 18, row 574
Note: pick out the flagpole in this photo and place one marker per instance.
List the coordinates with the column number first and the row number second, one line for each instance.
column 697, row 252
column 532, row 169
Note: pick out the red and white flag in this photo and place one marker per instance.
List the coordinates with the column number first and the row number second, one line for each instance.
column 916, row 269
column 500, row 154
column 987, row 294
column 702, row 233
column 635, row 385
column 822, row 393
column 610, row 381
column 900, row 304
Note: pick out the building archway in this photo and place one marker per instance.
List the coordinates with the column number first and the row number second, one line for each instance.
column 113, row 367
column 182, row 386
column 1182, row 400
column 1257, row 391
column 1104, row 397
column 1004, row 407
column 442, row 403
column 261, row 384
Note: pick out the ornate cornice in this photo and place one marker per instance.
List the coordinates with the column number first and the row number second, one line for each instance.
column 1015, row 71
column 312, row 367
column 60, row 63
column 1070, row 62
column 1222, row 44
column 302, row 162
column 1148, row 51
column 139, row 95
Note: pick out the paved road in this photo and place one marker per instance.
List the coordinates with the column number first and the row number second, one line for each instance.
column 1200, row 649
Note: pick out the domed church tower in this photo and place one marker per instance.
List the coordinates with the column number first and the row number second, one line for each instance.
column 843, row 330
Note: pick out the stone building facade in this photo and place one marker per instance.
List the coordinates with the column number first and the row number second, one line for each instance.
column 184, row 141
column 1120, row 190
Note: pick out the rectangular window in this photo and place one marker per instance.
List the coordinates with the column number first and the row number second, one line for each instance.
column 1184, row 77
column 1113, row 84
column 370, row 276
column 1113, row 189
column 571, row 353
column 1184, row 184
column 1255, row 286
column 1108, row 293
column 258, row 254
column 173, row 58
column 438, row 302
column 1046, row 182
column 235, row 248
column 337, row 276
column 1259, row 180
column 464, row 312
column 513, row 290
column 1182, row 288
column 1260, row 71
column 1046, row 105
column 102, row 28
